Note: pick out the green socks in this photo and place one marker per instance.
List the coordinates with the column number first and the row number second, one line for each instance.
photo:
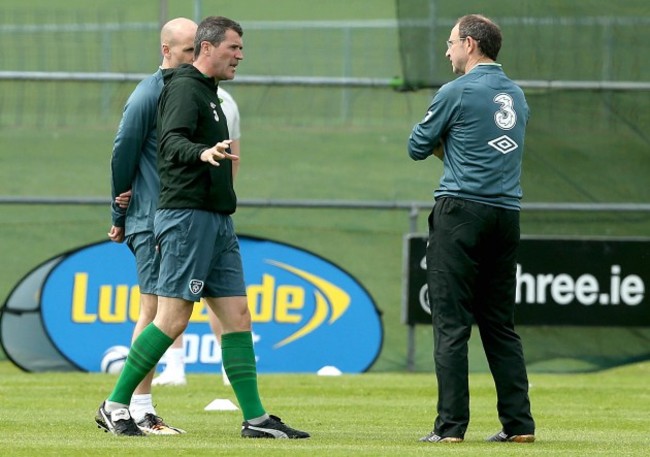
column 239, row 362
column 145, row 352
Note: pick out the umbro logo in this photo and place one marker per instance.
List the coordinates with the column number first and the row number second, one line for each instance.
column 503, row 144
column 196, row 286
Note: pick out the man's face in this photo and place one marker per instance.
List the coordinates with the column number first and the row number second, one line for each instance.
column 456, row 52
column 224, row 58
column 181, row 50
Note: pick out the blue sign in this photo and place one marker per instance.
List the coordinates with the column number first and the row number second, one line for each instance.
column 307, row 312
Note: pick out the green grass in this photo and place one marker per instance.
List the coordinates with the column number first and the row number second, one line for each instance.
column 602, row 414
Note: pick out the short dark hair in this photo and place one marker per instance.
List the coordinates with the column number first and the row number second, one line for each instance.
column 483, row 30
column 213, row 30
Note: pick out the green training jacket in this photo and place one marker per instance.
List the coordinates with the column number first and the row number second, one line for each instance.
column 190, row 120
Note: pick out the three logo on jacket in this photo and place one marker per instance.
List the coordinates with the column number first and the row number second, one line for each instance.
column 505, row 118
column 214, row 111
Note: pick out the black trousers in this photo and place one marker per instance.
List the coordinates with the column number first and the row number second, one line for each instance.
column 471, row 276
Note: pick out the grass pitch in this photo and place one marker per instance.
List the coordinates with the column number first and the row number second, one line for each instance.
column 601, row 414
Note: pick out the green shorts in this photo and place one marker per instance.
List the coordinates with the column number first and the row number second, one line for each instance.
column 199, row 255
column 147, row 260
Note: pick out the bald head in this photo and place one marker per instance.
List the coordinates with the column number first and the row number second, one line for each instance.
column 177, row 42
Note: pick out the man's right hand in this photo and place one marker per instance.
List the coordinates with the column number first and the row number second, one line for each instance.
column 218, row 152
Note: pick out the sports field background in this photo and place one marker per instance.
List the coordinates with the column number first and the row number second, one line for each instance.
column 334, row 143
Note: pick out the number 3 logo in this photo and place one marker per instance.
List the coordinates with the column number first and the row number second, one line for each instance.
column 506, row 117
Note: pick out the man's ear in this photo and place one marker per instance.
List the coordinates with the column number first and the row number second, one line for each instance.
column 205, row 47
column 473, row 44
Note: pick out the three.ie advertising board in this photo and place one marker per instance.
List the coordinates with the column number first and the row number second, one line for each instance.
column 560, row 281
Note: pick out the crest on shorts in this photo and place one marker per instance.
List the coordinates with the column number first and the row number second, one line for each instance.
column 196, row 286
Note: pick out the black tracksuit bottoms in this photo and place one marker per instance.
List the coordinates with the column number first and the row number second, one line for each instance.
column 471, row 277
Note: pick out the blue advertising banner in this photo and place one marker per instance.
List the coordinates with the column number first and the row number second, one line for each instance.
column 307, row 312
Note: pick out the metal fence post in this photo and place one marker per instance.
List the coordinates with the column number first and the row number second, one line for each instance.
column 410, row 344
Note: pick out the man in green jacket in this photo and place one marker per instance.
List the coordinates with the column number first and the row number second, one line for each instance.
column 199, row 250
